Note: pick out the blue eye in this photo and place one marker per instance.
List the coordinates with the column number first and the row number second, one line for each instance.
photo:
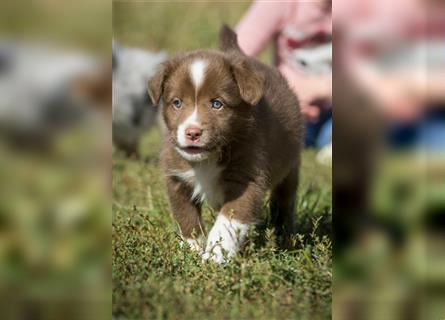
column 216, row 104
column 177, row 103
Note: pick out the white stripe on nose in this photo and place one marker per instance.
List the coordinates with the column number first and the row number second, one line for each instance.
column 197, row 72
column 191, row 121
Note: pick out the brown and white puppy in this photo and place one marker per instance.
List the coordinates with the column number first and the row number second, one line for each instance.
column 234, row 133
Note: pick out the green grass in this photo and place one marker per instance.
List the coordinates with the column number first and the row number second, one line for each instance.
column 176, row 26
column 76, row 24
column 154, row 278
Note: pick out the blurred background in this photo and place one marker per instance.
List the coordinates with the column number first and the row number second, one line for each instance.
column 55, row 140
column 55, row 159
column 388, row 168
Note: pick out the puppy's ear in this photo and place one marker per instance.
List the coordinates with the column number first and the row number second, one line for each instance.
column 156, row 84
column 250, row 81
column 228, row 39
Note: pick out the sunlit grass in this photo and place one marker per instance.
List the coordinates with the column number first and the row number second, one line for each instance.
column 153, row 277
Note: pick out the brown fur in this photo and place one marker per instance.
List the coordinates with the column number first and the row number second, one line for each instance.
column 255, row 137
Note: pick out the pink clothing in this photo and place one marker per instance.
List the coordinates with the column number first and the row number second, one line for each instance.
column 302, row 33
column 373, row 29
column 294, row 23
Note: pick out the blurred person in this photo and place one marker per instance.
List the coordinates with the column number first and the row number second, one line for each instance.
column 302, row 37
column 389, row 59
column 388, row 66
column 393, row 51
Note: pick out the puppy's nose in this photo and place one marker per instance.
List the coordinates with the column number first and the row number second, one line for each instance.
column 193, row 134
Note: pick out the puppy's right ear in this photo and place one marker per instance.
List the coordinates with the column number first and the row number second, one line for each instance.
column 156, row 84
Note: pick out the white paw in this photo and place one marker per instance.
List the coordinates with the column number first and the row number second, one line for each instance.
column 194, row 244
column 215, row 256
column 225, row 239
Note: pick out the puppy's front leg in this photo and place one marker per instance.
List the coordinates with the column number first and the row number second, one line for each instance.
column 241, row 210
column 185, row 211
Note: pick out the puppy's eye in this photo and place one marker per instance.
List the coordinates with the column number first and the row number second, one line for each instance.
column 177, row 103
column 216, row 104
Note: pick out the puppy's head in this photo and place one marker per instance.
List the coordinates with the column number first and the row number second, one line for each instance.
column 207, row 97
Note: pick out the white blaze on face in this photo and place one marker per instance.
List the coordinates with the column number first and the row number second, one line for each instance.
column 226, row 235
column 197, row 72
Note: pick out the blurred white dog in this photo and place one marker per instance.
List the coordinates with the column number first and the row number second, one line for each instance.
column 133, row 111
column 37, row 91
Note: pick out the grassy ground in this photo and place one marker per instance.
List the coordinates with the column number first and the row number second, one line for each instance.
column 154, row 278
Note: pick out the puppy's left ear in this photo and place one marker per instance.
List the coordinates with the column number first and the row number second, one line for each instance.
column 250, row 81
column 228, row 39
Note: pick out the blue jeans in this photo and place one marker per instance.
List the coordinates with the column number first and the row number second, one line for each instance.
column 319, row 134
column 427, row 133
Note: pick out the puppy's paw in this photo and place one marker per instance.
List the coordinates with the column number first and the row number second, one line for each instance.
column 195, row 245
column 225, row 239
column 216, row 255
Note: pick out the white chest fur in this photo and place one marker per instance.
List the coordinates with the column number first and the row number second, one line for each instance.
column 204, row 177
